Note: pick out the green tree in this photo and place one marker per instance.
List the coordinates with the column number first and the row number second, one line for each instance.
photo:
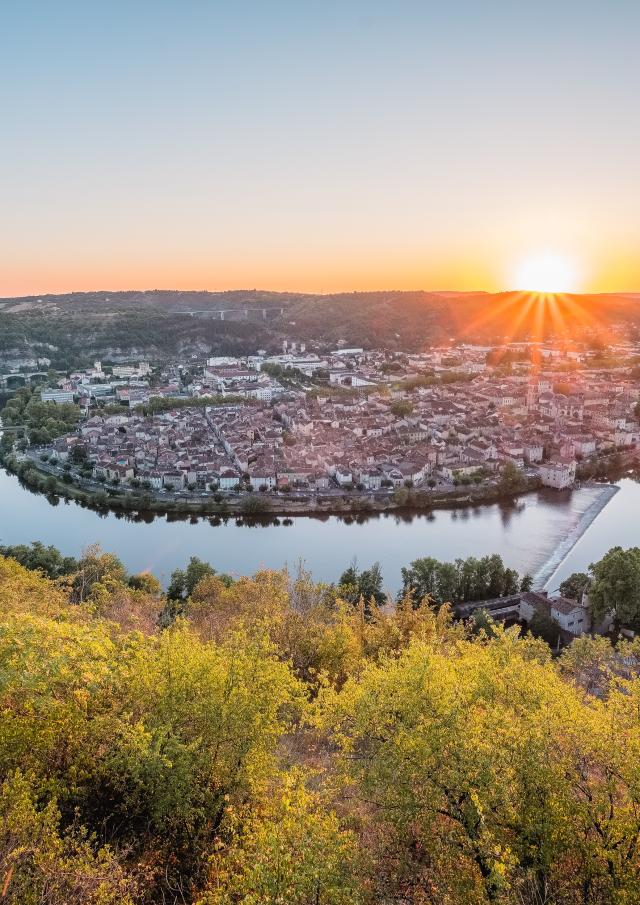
column 575, row 585
column 145, row 581
column 293, row 851
column 615, row 586
column 431, row 739
column 511, row 480
column 40, row 862
column 48, row 560
column 184, row 581
column 543, row 626
column 481, row 621
column 465, row 580
column 97, row 574
column 255, row 505
column 145, row 739
column 365, row 584
column 401, row 408
column 526, row 583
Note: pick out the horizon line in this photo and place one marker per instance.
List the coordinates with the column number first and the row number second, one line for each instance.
column 34, row 295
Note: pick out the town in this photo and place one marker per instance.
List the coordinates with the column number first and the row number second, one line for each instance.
column 352, row 420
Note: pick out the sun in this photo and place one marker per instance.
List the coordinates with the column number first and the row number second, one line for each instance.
column 546, row 272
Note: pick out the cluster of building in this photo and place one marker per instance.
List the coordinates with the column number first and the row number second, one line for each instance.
column 444, row 416
column 572, row 617
column 126, row 384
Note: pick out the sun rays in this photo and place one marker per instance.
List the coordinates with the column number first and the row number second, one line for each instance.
column 535, row 317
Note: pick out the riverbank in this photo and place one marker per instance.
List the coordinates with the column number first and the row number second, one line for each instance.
column 41, row 478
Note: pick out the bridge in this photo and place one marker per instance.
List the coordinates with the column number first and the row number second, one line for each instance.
column 20, row 379
column 236, row 314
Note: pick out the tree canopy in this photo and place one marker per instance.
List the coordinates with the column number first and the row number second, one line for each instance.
column 575, row 585
column 36, row 556
column 366, row 584
column 460, row 581
column 615, row 586
column 274, row 744
column 511, row 479
column 44, row 421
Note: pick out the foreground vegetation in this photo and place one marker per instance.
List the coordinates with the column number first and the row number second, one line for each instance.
column 262, row 741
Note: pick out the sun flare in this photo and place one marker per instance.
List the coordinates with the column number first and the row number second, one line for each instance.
column 546, row 273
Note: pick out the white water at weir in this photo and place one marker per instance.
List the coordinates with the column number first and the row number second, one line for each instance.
column 543, row 577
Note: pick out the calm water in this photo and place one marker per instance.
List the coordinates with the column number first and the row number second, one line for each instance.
column 530, row 535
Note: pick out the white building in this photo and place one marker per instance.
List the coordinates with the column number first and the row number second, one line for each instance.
column 57, row 396
column 143, row 369
column 343, row 476
column 533, row 451
column 571, row 616
column 558, row 474
column 228, row 479
column 262, row 478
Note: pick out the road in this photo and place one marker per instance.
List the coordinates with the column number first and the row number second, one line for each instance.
column 95, row 486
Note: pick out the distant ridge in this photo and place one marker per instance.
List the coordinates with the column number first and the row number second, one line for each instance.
column 169, row 322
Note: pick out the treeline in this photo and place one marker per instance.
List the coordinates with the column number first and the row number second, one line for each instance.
column 260, row 740
column 462, row 581
column 440, row 582
column 611, row 585
column 35, row 556
column 158, row 404
column 426, row 578
column 446, row 377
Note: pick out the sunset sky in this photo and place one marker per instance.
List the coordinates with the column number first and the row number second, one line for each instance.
column 318, row 146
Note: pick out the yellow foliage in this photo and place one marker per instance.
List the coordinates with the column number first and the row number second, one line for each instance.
column 291, row 850
column 449, row 768
column 24, row 591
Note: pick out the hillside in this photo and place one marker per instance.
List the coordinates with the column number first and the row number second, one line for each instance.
column 74, row 327
column 259, row 741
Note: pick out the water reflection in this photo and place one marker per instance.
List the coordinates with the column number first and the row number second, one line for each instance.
column 525, row 533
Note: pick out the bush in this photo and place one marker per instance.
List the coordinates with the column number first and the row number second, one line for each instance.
column 255, row 505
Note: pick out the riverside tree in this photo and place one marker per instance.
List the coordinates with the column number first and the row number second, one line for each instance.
column 615, row 586
column 366, row 584
column 460, row 581
column 575, row 585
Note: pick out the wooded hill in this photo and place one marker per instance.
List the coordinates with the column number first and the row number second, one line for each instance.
column 77, row 326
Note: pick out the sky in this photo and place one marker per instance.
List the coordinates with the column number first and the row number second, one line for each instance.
column 318, row 146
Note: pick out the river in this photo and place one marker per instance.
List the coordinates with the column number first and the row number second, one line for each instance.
column 547, row 533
